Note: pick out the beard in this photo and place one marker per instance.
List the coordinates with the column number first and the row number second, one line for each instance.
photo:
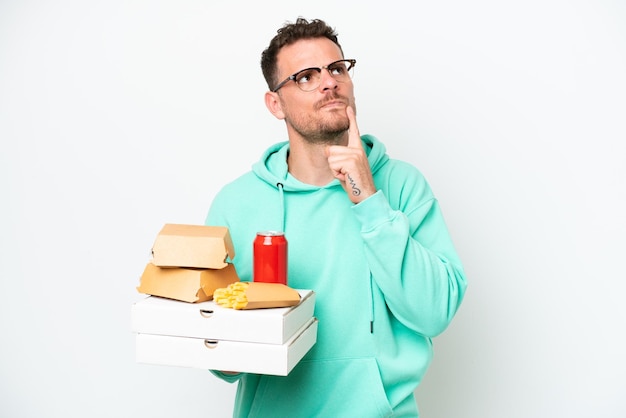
column 322, row 128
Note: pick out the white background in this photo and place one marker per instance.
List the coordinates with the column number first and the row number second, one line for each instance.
column 119, row 116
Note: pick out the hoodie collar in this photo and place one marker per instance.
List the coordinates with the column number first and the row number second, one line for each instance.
column 272, row 167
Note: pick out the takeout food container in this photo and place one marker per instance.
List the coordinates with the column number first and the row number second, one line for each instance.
column 199, row 246
column 189, row 262
column 256, row 295
column 185, row 284
column 207, row 336
column 156, row 315
column 211, row 354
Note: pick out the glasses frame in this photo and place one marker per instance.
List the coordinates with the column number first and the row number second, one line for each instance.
column 318, row 69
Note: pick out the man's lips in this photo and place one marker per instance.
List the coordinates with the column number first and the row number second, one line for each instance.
column 333, row 103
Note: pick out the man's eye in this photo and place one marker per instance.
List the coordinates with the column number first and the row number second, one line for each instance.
column 304, row 77
column 338, row 69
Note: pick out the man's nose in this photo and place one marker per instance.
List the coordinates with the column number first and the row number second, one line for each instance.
column 327, row 81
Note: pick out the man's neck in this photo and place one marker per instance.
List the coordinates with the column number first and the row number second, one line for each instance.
column 308, row 163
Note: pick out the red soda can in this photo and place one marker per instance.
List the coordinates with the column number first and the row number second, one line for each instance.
column 270, row 257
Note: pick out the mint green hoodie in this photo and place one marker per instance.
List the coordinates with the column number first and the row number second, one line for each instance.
column 386, row 276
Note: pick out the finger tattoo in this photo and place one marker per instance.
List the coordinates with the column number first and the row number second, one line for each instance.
column 355, row 190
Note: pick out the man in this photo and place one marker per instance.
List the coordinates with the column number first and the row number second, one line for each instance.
column 364, row 231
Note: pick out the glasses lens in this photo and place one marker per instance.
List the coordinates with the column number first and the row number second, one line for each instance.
column 341, row 70
column 309, row 79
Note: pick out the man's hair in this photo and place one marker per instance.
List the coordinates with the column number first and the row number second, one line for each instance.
column 289, row 34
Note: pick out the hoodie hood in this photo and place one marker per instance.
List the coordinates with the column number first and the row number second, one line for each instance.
column 272, row 167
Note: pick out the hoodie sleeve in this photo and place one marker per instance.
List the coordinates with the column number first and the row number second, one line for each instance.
column 411, row 256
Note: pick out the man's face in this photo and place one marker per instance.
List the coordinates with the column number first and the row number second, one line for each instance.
column 318, row 116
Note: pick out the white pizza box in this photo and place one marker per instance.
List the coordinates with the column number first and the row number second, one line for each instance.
column 213, row 354
column 162, row 316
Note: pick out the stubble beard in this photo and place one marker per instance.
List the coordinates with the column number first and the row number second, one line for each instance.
column 326, row 134
column 326, row 130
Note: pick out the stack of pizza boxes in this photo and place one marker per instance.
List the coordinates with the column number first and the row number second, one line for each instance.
column 177, row 322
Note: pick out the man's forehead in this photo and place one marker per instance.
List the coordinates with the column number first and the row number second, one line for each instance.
column 307, row 53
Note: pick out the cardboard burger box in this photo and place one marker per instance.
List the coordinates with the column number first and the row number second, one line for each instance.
column 199, row 246
column 185, row 284
column 208, row 336
column 189, row 262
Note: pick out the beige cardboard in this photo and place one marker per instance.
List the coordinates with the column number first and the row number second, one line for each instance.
column 270, row 295
column 207, row 354
column 185, row 284
column 196, row 246
column 160, row 316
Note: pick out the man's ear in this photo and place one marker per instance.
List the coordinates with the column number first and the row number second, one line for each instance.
column 272, row 101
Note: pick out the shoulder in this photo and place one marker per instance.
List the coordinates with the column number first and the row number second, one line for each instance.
column 400, row 173
column 403, row 184
column 237, row 184
column 242, row 196
column 231, row 194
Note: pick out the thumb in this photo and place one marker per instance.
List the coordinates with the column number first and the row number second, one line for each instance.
column 354, row 137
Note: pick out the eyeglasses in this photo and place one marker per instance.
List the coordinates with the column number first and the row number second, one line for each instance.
column 310, row 78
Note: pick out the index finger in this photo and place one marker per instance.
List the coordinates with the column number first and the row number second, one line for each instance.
column 354, row 137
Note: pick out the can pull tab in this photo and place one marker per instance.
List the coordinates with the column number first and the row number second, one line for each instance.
column 206, row 313
column 211, row 344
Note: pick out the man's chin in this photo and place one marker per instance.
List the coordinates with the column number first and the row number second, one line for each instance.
column 335, row 124
column 335, row 128
column 327, row 136
column 330, row 131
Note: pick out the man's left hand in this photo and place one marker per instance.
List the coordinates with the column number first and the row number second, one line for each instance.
column 350, row 165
